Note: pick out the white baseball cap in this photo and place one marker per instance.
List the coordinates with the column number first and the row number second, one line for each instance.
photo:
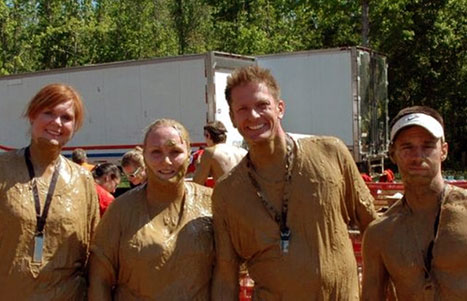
column 425, row 121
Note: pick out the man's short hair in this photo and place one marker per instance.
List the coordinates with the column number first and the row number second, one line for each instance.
column 250, row 74
column 217, row 131
column 416, row 112
column 79, row 156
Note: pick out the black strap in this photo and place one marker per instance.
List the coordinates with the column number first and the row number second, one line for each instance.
column 41, row 219
column 428, row 258
column 429, row 253
column 279, row 218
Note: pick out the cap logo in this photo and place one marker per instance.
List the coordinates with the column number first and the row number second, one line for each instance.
column 423, row 120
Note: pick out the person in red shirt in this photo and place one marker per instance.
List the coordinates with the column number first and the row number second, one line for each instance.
column 363, row 169
column 107, row 178
column 388, row 176
column 195, row 158
column 366, row 177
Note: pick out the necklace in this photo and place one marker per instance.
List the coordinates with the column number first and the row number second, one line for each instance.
column 279, row 217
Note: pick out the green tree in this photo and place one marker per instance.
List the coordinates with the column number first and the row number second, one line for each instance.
column 425, row 42
column 192, row 25
column 16, row 21
column 59, row 32
column 128, row 29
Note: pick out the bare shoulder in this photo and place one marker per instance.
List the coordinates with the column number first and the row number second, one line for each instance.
column 455, row 206
column 386, row 226
column 223, row 149
column 456, row 196
column 208, row 152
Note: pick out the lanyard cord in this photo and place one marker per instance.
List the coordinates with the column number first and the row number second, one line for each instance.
column 279, row 218
column 41, row 219
column 428, row 258
column 429, row 254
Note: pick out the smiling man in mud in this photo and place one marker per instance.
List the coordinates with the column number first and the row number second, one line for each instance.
column 285, row 208
column 420, row 244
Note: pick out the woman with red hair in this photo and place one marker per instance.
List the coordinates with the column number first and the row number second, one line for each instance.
column 48, row 205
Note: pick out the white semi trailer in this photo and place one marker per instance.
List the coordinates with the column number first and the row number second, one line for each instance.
column 340, row 92
column 122, row 98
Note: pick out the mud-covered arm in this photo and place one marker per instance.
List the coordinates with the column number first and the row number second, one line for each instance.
column 375, row 275
column 204, row 167
column 359, row 202
column 225, row 284
column 103, row 265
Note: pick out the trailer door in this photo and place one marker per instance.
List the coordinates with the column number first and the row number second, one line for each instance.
column 222, row 107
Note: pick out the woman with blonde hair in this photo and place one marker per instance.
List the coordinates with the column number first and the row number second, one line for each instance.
column 48, row 205
column 156, row 242
column 133, row 166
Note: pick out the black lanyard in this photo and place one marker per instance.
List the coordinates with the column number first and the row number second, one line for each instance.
column 41, row 219
column 429, row 254
column 279, row 217
column 428, row 257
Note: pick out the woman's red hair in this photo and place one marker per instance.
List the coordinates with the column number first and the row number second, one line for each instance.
column 54, row 94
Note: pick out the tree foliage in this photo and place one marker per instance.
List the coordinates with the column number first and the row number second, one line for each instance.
column 424, row 40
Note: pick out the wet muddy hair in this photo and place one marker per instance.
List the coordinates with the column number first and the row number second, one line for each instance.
column 104, row 169
column 54, row 94
column 133, row 157
column 251, row 74
column 217, row 131
column 165, row 122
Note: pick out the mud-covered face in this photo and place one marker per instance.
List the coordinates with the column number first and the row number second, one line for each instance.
column 166, row 154
column 418, row 154
column 54, row 125
column 255, row 112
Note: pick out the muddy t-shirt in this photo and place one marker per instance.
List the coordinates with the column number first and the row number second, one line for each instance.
column 71, row 220
column 327, row 194
column 167, row 257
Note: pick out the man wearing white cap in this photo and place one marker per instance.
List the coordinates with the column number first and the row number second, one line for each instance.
column 420, row 243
